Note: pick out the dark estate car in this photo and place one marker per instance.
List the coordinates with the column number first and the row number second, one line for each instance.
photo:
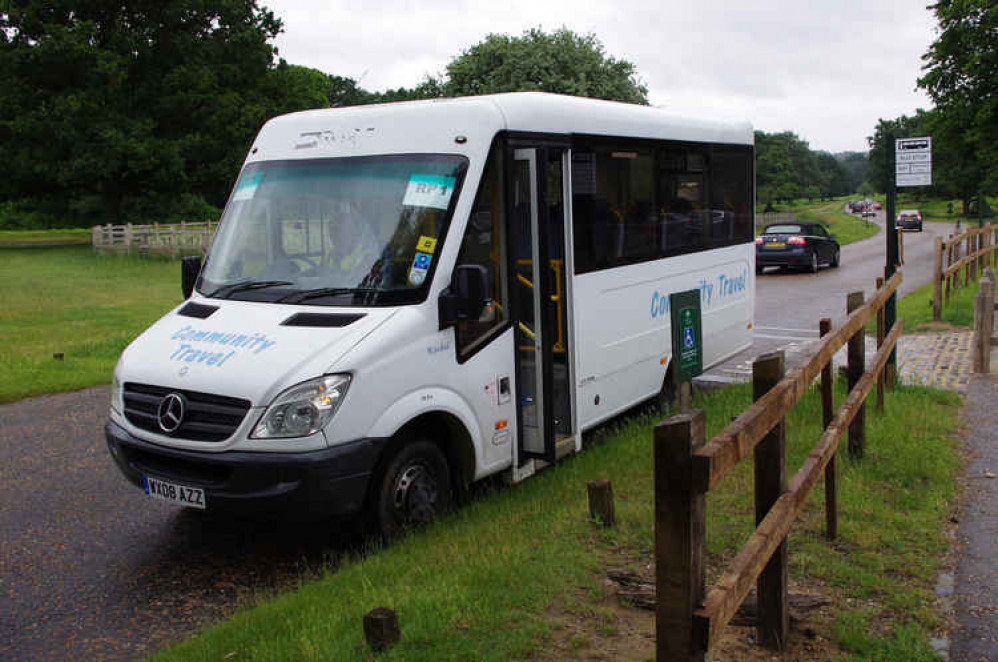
column 805, row 245
column 909, row 219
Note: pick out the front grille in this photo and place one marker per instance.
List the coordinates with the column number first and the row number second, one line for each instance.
column 208, row 417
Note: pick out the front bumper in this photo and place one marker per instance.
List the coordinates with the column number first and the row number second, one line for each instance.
column 332, row 481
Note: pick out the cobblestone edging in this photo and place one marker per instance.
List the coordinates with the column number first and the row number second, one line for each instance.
column 942, row 360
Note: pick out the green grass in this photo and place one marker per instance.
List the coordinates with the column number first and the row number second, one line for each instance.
column 477, row 584
column 44, row 237
column 915, row 309
column 70, row 301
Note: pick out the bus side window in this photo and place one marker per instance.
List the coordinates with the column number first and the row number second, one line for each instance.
column 484, row 244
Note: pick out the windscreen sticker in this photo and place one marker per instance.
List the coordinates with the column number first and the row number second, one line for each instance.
column 429, row 191
column 426, row 244
column 246, row 188
column 420, row 265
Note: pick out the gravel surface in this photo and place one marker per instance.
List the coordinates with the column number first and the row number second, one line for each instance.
column 92, row 569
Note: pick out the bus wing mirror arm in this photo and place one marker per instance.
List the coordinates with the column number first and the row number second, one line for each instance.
column 190, row 268
column 467, row 296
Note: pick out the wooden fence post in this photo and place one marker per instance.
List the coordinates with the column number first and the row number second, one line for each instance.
column 680, row 530
column 381, row 628
column 984, row 311
column 770, row 484
column 937, row 281
column 881, row 332
column 827, row 413
column 855, row 370
column 601, row 502
column 900, row 247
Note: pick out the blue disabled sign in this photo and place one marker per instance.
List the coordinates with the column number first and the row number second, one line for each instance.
column 687, row 338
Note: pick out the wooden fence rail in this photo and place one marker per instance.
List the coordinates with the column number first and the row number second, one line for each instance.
column 958, row 260
column 690, row 619
column 174, row 239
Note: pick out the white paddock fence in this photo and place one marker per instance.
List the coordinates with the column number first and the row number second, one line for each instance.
column 174, row 239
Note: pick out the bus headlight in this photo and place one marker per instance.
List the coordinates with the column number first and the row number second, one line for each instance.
column 303, row 409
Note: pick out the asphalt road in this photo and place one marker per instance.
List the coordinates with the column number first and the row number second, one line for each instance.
column 91, row 569
column 789, row 304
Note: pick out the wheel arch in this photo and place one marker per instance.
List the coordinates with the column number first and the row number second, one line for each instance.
column 446, row 431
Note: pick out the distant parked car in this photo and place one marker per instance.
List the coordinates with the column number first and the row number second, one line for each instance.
column 855, row 206
column 806, row 245
column 909, row 219
column 877, row 206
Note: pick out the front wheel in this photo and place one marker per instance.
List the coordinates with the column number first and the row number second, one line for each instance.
column 413, row 489
column 835, row 258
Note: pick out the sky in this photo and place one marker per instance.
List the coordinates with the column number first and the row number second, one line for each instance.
column 826, row 69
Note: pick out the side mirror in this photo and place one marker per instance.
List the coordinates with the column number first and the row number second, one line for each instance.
column 467, row 296
column 190, row 268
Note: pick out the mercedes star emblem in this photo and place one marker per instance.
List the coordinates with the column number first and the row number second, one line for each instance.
column 171, row 412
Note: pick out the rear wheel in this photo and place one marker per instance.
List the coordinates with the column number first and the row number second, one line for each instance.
column 813, row 266
column 413, row 489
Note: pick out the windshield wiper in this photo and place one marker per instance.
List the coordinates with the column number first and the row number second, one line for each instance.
column 243, row 285
column 304, row 295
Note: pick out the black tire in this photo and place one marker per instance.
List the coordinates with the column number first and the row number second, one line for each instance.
column 835, row 258
column 813, row 267
column 758, row 270
column 667, row 394
column 412, row 490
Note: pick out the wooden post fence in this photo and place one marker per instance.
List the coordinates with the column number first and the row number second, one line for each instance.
column 770, row 484
column 689, row 618
column 680, row 531
column 855, row 369
column 827, row 413
column 958, row 261
column 984, row 315
column 181, row 238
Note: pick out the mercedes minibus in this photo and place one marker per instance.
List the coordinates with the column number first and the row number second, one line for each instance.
column 404, row 298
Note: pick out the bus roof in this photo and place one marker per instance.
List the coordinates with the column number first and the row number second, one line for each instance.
column 432, row 125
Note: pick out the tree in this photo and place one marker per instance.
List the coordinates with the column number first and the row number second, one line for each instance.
column 111, row 110
column 561, row 62
column 961, row 77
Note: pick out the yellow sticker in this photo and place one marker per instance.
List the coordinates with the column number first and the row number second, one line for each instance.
column 426, row 244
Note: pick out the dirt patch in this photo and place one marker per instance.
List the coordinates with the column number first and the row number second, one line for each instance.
column 605, row 629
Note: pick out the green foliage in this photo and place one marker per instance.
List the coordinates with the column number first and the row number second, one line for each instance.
column 787, row 168
column 129, row 110
column 961, row 77
column 561, row 62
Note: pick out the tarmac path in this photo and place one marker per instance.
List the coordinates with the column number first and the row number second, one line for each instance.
column 91, row 569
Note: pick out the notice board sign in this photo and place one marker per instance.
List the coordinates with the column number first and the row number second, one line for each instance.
column 687, row 335
column 913, row 161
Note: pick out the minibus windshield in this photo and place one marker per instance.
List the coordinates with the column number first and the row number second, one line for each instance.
column 340, row 232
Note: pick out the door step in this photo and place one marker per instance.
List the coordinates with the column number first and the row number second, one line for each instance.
column 564, row 446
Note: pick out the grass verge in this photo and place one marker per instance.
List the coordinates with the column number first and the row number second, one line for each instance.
column 25, row 238
column 481, row 582
column 915, row 309
column 84, row 306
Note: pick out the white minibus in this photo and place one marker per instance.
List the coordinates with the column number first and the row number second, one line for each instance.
column 405, row 298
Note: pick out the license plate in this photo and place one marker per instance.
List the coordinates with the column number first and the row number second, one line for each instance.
column 192, row 497
column 776, row 244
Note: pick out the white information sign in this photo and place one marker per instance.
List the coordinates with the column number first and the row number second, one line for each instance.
column 913, row 161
